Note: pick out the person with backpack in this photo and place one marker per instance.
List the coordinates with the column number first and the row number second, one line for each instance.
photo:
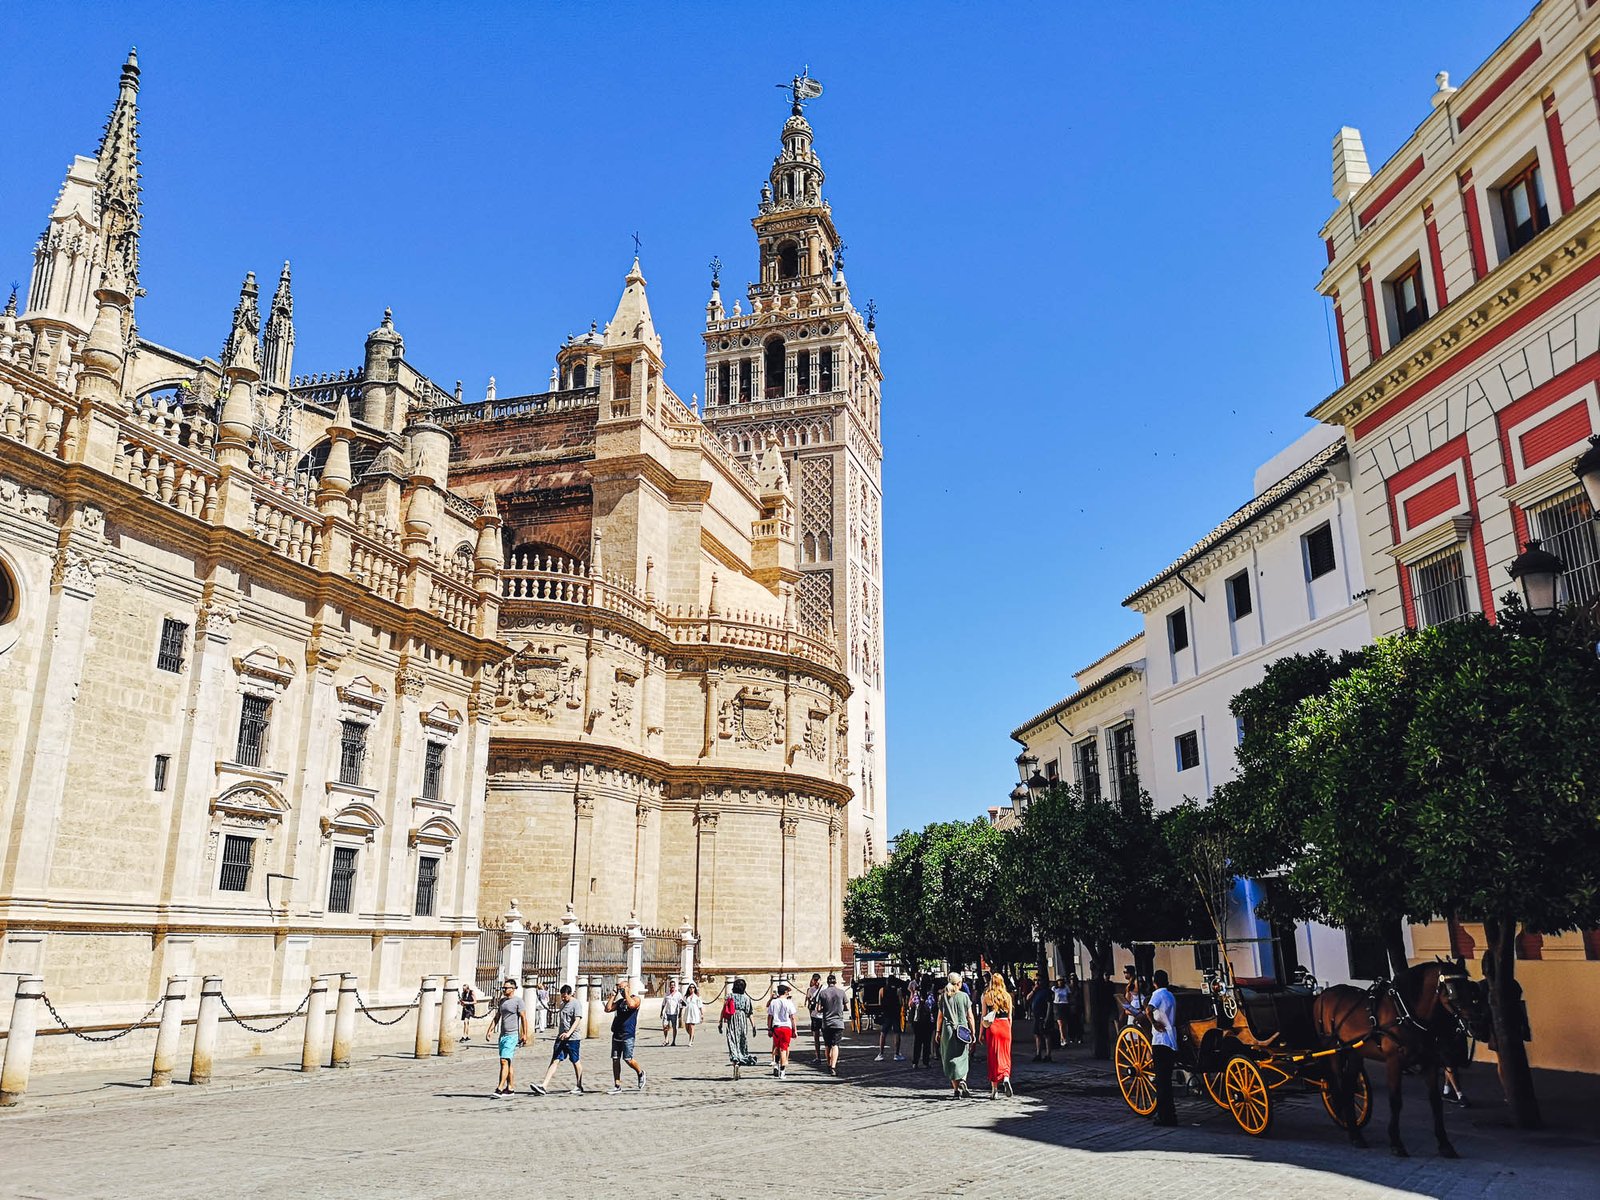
column 815, row 1012
column 737, row 1024
column 924, row 1009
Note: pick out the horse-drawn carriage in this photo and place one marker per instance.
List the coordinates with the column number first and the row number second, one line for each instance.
column 1239, row 1045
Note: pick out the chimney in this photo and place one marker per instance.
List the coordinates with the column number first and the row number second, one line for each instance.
column 1350, row 168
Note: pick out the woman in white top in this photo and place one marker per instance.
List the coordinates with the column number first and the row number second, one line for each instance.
column 780, row 1014
column 694, row 1010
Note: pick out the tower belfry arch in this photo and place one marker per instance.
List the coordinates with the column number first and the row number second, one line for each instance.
column 796, row 364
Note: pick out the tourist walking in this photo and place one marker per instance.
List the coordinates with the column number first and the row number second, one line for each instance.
column 956, row 1032
column 541, row 1010
column 511, row 1028
column 781, row 1014
column 737, row 1024
column 997, row 1007
column 834, row 1003
column 569, row 1041
column 924, row 1006
column 815, row 1013
column 671, row 1010
column 694, row 1010
column 891, row 1018
column 623, row 1005
column 1163, row 1011
column 469, row 1010
column 1074, row 1009
column 1039, row 1010
column 1059, row 1007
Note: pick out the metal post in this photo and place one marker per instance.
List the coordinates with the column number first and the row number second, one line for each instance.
column 205, row 1029
column 450, row 1016
column 427, row 1017
column 167, row 1035
column 344, row 1021
column 316, row 1025
column 19, row 1040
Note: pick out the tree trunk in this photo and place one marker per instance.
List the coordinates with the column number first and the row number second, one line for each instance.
column 1505, row 1006
column 1394, row 941
column 1097, row 1007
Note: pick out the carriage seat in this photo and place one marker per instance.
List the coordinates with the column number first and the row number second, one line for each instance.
column 1285, row 1011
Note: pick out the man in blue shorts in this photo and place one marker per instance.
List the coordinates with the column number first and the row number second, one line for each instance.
column 623, row 1005
column 569, row 1040
column 511, row 1027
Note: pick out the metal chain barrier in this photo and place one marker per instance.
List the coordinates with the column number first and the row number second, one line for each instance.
column 243, row 1024
column 110, row 1037
column 361, row 1004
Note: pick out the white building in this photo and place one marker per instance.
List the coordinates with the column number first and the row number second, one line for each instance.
column 1282, row 575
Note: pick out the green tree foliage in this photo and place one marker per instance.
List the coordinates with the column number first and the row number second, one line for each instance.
column 866, row 919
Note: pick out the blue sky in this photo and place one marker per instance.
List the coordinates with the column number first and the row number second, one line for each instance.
column 1091, row 231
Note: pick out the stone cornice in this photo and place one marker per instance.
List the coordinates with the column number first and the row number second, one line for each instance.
column 643, row 466
column 1499, row 296
column 1118, row 680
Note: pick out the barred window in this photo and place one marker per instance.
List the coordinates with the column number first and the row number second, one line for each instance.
column 825, row 369
column 802, row 366
column 1439, row 588
column 238, row 854
column 174, row 635
column 1087, row 753
column 1566, row 530
column 1318, row 547
column 432, row 770
column 163, row 762
column 254, row 716
column 1188, row 748
column 427, row 884
column 352, row 751
column 341, row 884
column 1125, row 761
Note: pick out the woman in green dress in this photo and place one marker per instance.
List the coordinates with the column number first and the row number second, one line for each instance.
column 737, row 1025
column 955, row 1020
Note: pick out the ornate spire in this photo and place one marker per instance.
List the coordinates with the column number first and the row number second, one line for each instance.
column 241, row 355
column 117, row 183
column 632, row 321
column 278, row 346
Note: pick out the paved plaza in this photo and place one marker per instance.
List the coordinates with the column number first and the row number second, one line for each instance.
column 393, row 1127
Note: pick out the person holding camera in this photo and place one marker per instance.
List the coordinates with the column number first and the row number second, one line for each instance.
column 623, row 1005
column 569, row 1042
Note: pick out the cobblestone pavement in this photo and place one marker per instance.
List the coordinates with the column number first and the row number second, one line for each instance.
column 392, row 1127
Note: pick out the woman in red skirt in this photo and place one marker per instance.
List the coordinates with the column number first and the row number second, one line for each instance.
column 997, row 1034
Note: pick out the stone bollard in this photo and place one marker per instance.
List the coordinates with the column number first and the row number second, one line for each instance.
column 205, row 1030
column 19, row 1040
column 596, row 1020
column 450, row 1017
column 427, row 1016
column 316, row 1025
column 169, row 1032
column 344, row 1021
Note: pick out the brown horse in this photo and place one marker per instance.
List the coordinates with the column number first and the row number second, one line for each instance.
column 1411, row 1021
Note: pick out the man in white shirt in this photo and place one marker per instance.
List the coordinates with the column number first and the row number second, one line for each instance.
column 1163, row 1010
column 780, row 1013
column 671, row 1008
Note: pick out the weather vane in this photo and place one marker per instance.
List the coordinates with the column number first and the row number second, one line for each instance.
column 872, row 314
column 636, row 243
column 716, row 270
column 802, row 88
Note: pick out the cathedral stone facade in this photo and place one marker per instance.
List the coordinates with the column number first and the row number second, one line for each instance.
column 303, row 673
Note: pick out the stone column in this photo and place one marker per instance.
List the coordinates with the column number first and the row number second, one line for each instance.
column 450, row 1016
column 582, row 846
column 570, row 937
column 427, row 1016
column 344, row 1021
column 705, row 820
column 514, row 949
column 205, row 1030
column 596, row 1007
column 790, row 826
column 686, row 944
column 635, row 941
column 19, row 1040
column 167, row 1034
column 316, row 1025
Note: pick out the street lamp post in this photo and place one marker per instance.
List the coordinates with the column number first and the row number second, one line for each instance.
column 1538, row 572
column 1587, row 469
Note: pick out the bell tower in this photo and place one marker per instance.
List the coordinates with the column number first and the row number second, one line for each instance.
column 799, row 369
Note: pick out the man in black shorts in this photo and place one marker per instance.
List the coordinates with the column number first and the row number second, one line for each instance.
column 891, row 1004
column 835, row 1007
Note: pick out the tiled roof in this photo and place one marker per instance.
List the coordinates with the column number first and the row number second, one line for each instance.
column 1082, row 693
column 1301, row 477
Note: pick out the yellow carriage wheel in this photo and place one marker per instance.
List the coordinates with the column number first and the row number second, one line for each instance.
column 1214, row 1088
column 1136, row 1075
column 1248, row 1098
column 1362, row 1101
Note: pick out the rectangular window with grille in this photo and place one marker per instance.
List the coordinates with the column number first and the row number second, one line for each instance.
column 352, row 751
column 724, row 382
column 1205, row 956
column 1239, row 602
column 745, row 370
column 1178, row 630
column 825, row 369
column 174, row 636
column 1439, row 588
column 163, row 765
column 1368, row 957
column 1318, row 549
column 432, row 770
column 254, row 716
column 427, row 884
column 1125, row 761
column 1563, row 525
column 1188, row 748
column 342, row 882
column 238, row 854
column 802, row 372
column 1087, row 753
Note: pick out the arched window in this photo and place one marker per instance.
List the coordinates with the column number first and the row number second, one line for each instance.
column 808, row 549
column 580, row 376
column 724, row 379
column 773, row 369
column 788, row 260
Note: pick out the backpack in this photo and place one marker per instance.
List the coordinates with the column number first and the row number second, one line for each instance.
column 728, row 1009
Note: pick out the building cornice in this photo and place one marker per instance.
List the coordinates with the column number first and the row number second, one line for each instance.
column 1109, row 684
